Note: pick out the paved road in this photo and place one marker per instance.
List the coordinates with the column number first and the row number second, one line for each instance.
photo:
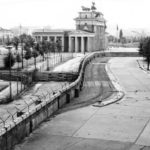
column 96, row 82
column 124, row 125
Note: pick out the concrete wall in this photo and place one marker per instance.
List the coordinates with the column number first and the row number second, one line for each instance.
column 14, row 132
column 25, row 124
column 122, row 54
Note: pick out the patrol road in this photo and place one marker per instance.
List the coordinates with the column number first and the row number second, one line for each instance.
column 119, row 126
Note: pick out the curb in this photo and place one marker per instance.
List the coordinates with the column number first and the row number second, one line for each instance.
column 118, row 89
column 142, row 68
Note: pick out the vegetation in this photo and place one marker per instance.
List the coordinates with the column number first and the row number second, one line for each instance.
column 58, row 45
column 28, row 55
column 18, row 58
column 144, row 50
column 9, row 60
column 32, row 48
column 120, row 34
column 15, row 42
column 35, row 55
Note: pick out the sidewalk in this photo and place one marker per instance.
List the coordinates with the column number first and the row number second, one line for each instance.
column 124, row 125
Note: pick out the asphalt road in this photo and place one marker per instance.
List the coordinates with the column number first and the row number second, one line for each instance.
column 124, row 125
column 96, row 86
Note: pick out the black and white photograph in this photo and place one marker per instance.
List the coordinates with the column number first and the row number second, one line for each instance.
column 74, row 75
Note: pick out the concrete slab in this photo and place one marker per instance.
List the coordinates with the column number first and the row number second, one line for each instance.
column 125, row 110
column 94, row 144
column 48, row 142
column 68, row 126
column 112, row 127
column 144, row 138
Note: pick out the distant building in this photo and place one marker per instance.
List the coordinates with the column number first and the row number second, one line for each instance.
column 18, row 30
column 5, row 34
column 88, row 36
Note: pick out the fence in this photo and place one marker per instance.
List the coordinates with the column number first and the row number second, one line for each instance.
column 32, row 102
column 18, row 125
column 42, row 106
column 24, row 78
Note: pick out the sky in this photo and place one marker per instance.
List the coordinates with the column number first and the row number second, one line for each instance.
column 127, row 14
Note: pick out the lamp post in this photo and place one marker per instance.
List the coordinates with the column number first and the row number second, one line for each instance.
column 10, row 89
column 22, row 52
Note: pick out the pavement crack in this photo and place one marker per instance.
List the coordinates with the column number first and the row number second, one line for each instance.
column 142, row 130
column 84, row 123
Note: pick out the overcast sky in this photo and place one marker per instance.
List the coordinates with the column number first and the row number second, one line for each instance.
column 60, row 13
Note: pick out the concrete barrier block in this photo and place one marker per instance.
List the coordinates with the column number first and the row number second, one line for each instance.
column 18, row 133
column 67, row 98
column 50, row 110
column 55, row 105
column 38, row 117
column 62, row 100
column 76, row 92
column 3, row 142
column 72, row 94
column 28, row 127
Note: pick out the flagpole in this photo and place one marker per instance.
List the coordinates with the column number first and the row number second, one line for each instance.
column 117, row 35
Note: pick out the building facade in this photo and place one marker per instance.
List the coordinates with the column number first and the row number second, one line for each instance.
column 89, row 34
column 4, row 35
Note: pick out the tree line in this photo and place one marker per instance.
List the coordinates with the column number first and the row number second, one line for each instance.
column 144, row 50
column 31, row 49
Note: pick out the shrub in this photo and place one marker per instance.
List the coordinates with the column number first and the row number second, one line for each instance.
column 18, row 58
column 144, row 50
column 9, row 60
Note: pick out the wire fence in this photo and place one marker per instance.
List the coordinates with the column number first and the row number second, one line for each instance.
column 23, row 79
column 36, row 99
column 30, row 103
column 52, row 60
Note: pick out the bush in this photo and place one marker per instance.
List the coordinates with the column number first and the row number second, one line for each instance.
column 18, row 58
column 28, row 54
column 9, row 60
column 35, row 53
column 144, row 50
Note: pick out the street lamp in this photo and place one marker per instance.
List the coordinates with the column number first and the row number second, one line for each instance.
column 9, row 48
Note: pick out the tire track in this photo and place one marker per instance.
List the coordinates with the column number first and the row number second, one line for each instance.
column 95, row 71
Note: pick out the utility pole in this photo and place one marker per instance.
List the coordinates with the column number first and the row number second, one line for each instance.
column 10, row 89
